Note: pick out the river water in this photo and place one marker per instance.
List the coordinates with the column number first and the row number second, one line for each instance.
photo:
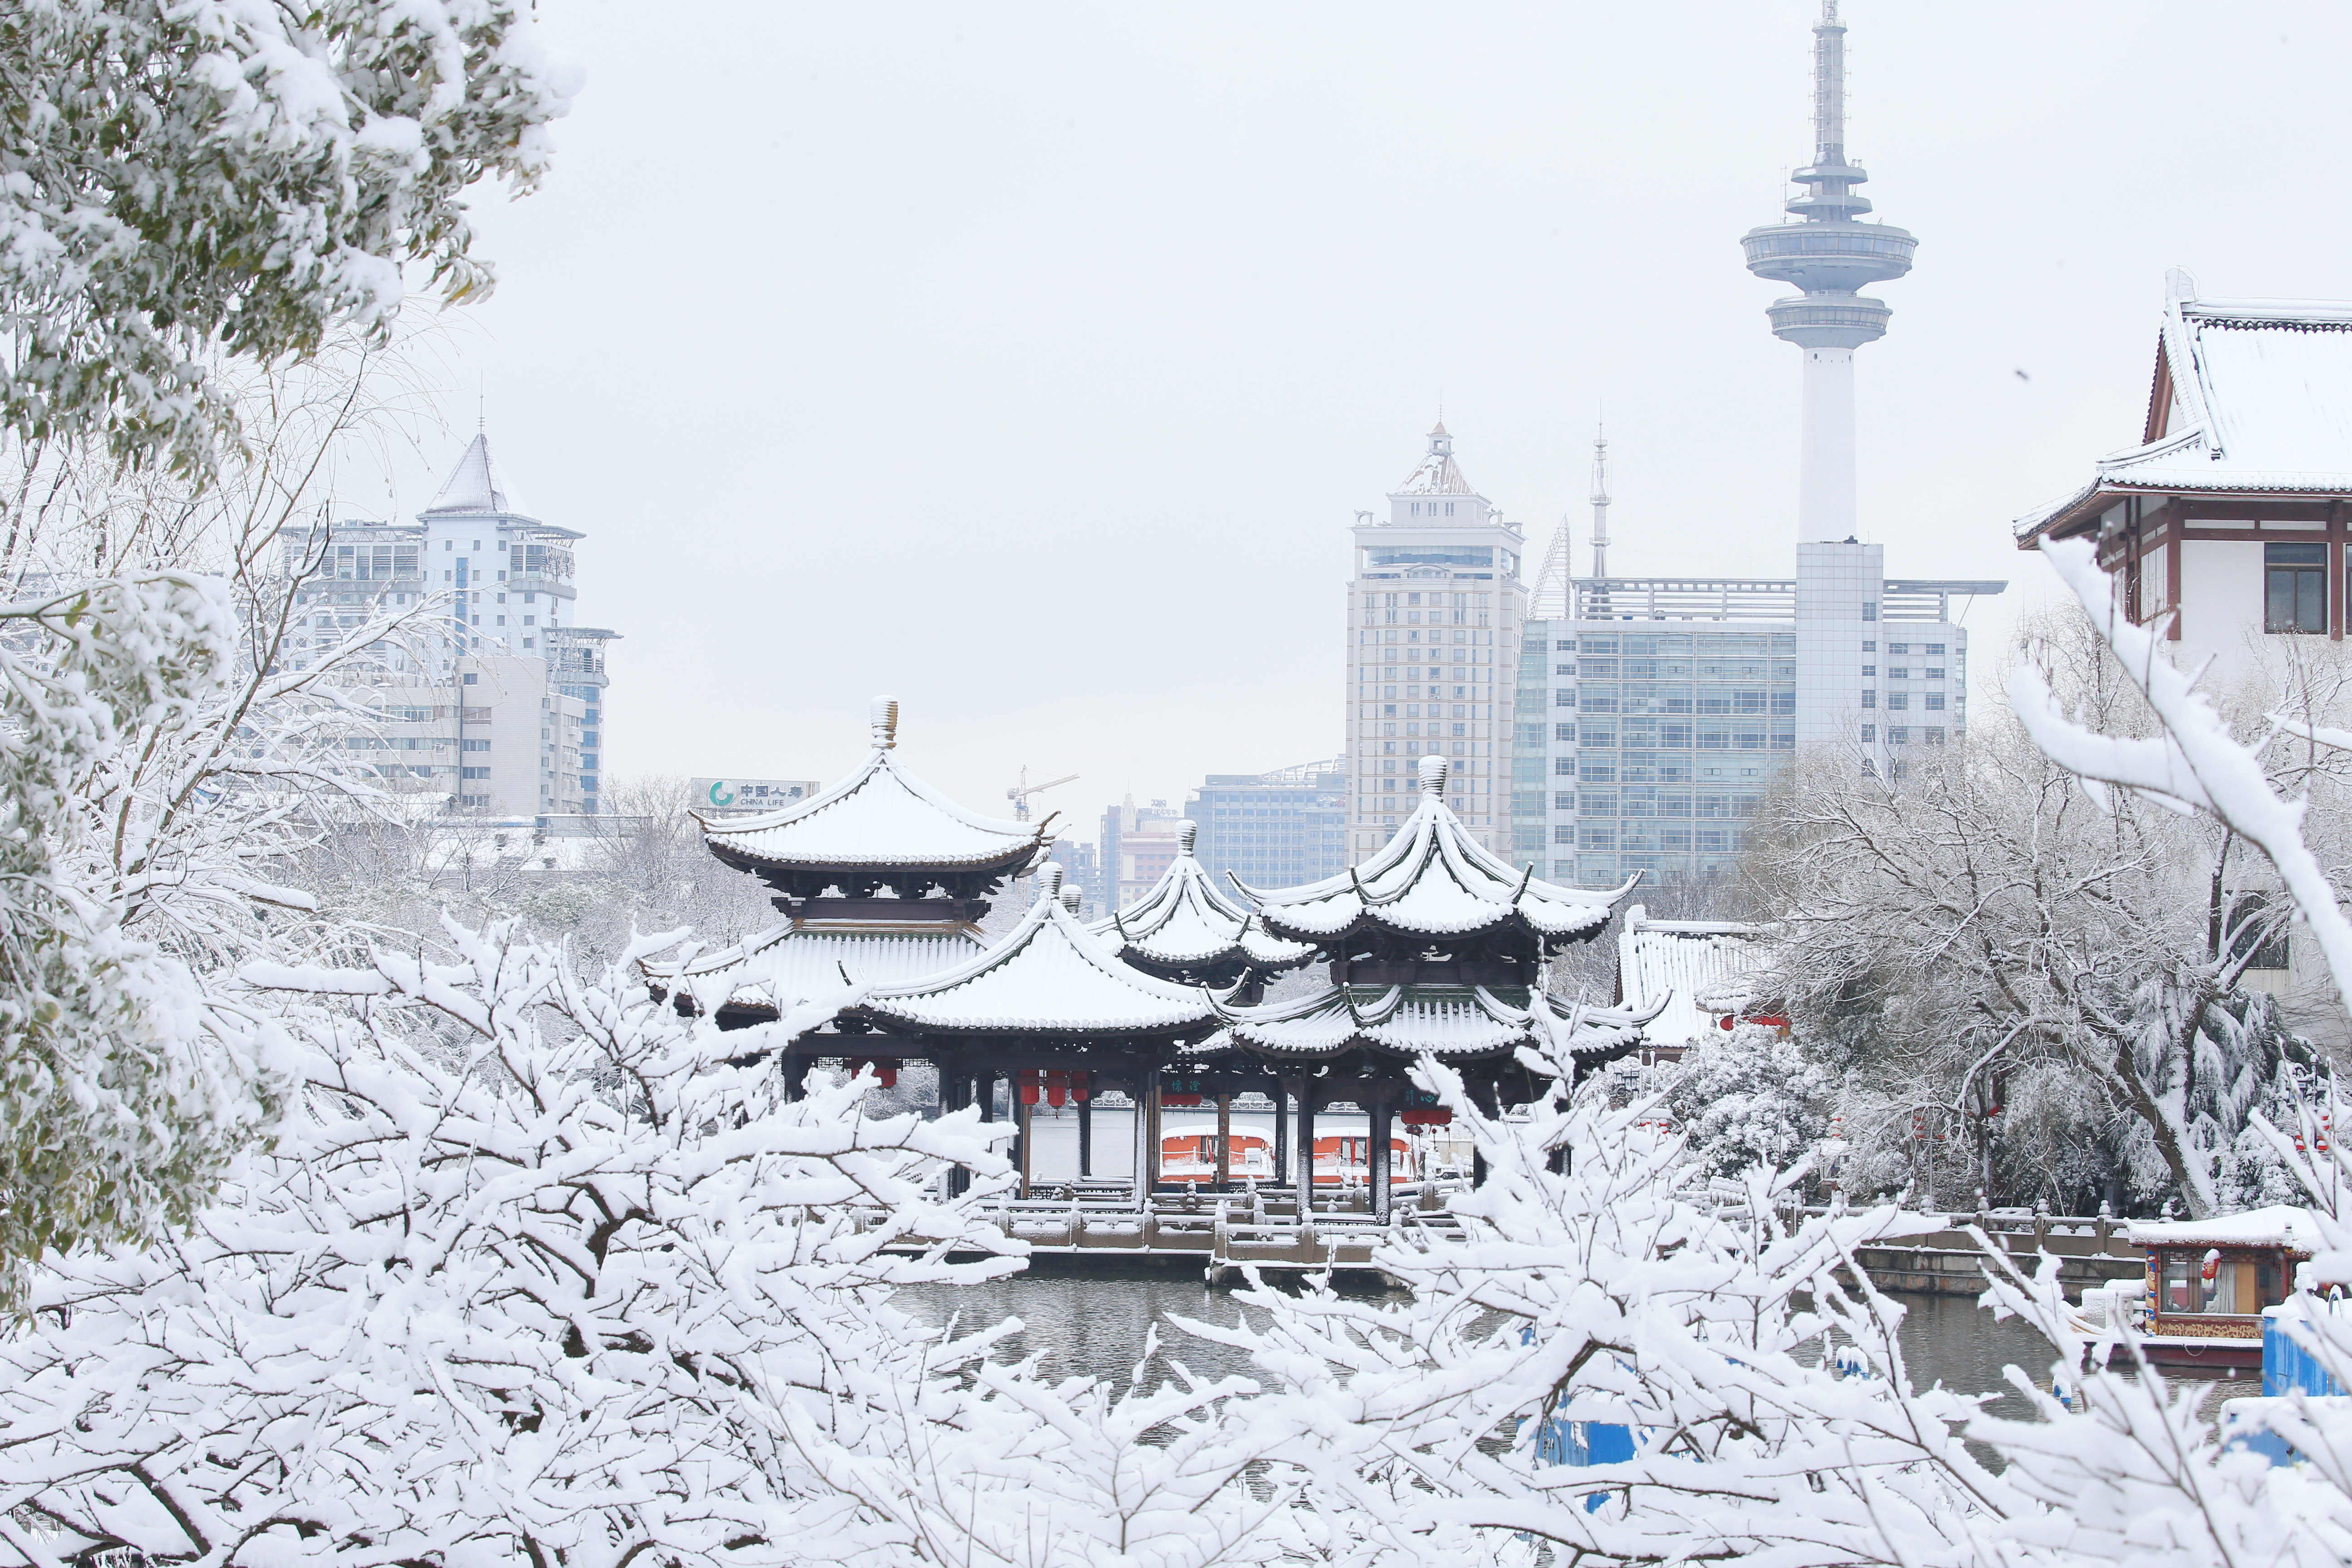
column 1095, row 1324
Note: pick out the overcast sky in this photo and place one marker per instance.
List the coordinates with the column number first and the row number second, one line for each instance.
column 1029, row 360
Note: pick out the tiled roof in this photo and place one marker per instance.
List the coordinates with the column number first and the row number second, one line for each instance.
column 1457, row 1022
column 1185, row 919
column 2261, row 396
column 1682, row 967
column 881, row 815
column 784, row 965
column 1048, row 975
column 1432, row 880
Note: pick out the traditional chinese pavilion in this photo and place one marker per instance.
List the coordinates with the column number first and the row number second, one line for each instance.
column 1187, row 930
column 880, row 879
column 1435, row 947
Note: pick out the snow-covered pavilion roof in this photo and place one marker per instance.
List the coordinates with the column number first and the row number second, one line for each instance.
column 2251, row 396
column 790, row 963
column 1449, row 1022
column 1432, row 880
column 1185, row 921
column 1049, row 975
column 1687, row 969
column 880, row 816
column 2281, row 1224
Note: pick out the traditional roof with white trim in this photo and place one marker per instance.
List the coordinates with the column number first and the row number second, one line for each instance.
column 1449, row 1022
column 1049, row 976
column 1434, row 879
column 880, row 817
column 1686, row 969
column 1186, row 923
column 789, row 963
column 2251, row 397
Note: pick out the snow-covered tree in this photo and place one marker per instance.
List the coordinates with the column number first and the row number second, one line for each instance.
column 1747, row 1097
column 532, row 1273
column 2052, row 982
column 186, row 182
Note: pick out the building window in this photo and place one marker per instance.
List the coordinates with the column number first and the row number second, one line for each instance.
column 1563, row 800
column 1933, row 734
column 1564, row 766
column 1898, row 700
column 2295, row 588
column 1869, row 733
column 1935, row 700
column 1896, row 735
column 1564, row 732
column 1869, row 699
column 1898, row 672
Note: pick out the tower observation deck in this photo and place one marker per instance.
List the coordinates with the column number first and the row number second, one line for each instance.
column 1830, row 254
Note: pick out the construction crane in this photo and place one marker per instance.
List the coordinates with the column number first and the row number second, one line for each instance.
column 1021, row 790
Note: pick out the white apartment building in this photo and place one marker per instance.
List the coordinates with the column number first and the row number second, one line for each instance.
column 496, row 698
column 1433, row 616
column 1650, row 718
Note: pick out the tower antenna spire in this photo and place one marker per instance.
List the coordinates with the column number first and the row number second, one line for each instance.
column 1599, row 501
column 1830, row 254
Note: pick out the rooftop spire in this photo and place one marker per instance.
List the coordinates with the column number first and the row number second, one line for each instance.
column 1601, row 496
column 1828, row 87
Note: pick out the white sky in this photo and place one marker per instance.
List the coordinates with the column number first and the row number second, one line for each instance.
column 1029, row 361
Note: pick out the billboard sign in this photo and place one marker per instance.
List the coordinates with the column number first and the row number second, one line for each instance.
column 751, row 795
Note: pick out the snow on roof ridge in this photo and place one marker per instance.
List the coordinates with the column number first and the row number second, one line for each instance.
column 1048, row 919
column 992, row 836
column 2315, row 312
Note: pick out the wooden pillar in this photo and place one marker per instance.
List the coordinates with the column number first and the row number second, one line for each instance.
column 984, row 1088
column 955, row 1094
column 1376, row 1161
column 795, row 1069
column 1477, row 1166
column 1305, row 1152
column 1281, row 1131
column 1225, row 1142
column 1143, row 1089
column 1023, row 1112
column 1087, row 1136
column 1151, row 1146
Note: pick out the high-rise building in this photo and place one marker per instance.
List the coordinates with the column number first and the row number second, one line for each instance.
column 1830, row 254
column 1433, row 615
column 1652, row 716
column 1273, row 830
column 496, row 699
column 1138, row 844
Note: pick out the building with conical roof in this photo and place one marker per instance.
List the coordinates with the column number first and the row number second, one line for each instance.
column 497, row 695
column 1434, row 604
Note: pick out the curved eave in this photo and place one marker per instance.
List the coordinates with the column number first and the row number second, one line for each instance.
column 1009, row 862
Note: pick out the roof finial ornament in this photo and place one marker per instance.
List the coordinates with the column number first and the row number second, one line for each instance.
column 1187, row 832
column 1432, row 775
column 1073, row 899
column 1049, row 881
column 883, row 715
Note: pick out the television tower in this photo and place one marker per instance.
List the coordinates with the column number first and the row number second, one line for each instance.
column 1830, row 254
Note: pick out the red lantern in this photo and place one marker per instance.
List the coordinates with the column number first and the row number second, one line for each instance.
column 1057, row 1088
column 1029, row 1086
column 1081, row 1087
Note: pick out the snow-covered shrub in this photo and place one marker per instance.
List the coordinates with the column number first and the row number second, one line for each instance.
column 1747, row 1097
column 529, row 1274
column 122, row 1093
column 1619, row 1292
column 210, row 176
